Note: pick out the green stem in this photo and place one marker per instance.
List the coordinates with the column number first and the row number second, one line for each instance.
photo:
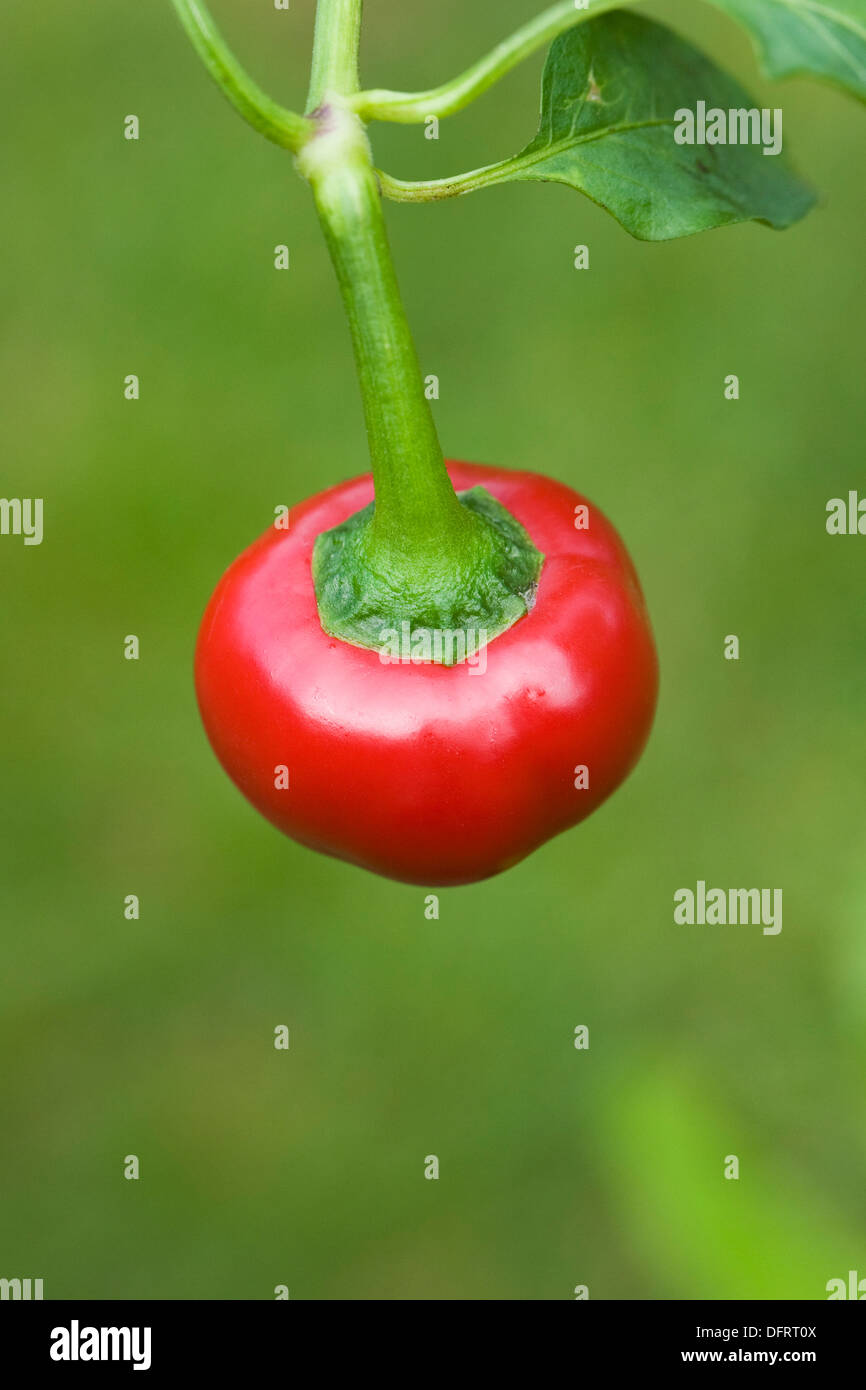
column 434, row 190
column 335, row 50
column 414, row 497
column 275, row 122
column 419, row 555
column 409, row 107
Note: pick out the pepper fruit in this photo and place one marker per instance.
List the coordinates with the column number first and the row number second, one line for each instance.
column 430, row 773
column 437, row 667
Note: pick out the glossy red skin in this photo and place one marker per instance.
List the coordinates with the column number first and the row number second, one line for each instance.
column 426, row 773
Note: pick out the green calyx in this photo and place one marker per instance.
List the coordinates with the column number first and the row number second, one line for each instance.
column 466, row 586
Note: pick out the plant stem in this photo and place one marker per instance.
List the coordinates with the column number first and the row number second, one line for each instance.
column 434, row 190
column 418, row 555
column 415, row 501
column 335, row 50
column 283, row 127
column 414, row 497
column 408, row 107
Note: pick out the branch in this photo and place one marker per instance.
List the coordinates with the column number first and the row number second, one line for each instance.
column 283, row 127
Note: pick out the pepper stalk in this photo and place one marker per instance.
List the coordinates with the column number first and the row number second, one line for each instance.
column 418, row 554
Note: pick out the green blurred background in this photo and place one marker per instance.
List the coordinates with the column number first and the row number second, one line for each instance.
column 411, row 1037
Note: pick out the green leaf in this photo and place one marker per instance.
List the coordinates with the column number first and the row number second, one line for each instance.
column 826, row 38
column 610, row 94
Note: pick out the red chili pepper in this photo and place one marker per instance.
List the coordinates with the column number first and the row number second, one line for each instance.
column 528, row 684
column 431, row 773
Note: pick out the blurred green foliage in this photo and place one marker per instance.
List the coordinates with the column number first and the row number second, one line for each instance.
column 411, row 1037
